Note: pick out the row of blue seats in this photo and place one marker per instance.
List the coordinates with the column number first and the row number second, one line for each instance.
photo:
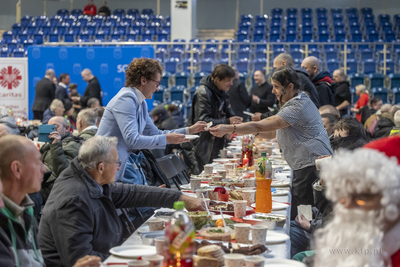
column 117, row 12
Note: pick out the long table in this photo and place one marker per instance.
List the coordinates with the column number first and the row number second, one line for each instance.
column 278, row 251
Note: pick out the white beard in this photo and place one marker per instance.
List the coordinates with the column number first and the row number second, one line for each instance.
column 352, row 239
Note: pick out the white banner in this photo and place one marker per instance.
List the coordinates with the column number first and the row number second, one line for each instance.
column 14, row 85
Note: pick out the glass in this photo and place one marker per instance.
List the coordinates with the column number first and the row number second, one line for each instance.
column 158, row 82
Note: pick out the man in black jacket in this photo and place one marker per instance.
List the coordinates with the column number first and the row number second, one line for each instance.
column 61, row 88
column 45, row 91
column 93, row 88
column 80, row 217
column 104, row 10
column 162, row 120
column 210, row 104
column 239, row 97
column 342, row 98
column 262, row 97
column 321, row 79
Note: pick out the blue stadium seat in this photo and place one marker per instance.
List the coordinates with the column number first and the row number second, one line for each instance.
column 181, row 46
column 291, row 11
column 291, row 18
column 376, row 80
column 306, row 11
column 306, row 27
column 143, row 19
column 352, row 18
column 356, row 36
column 76, row 28
column 8, row 35
column 27, row 43
column 384, row 18
column 390, row 36
column 390, row 66
column 323, row 36
column 274, row 36
column 13, row 44
column 63, row 12
column 336, row 11
column 276, row 11
column 275, row 26
column 241, row 35
column 352, row 66
column 210, row 53
column 25, row 20
column 260, row 26
column 107, row 27
column 307, row 36
column 291, row 36
column 176, row 52
column 331, row 53
column 160, row 53
column 133, row 12
column 296, row 53
column 85, row 36
column 206, row 65
column 261, row 18
column 171, row 65
column 23, row 36
column 159, row 95
column 132, row 35
column 101, row 35
column 198, row 76
column 214, row 44
column 244, row 53
column 137, row 26
column 91, row 27
column 62, row 28
column 373, row 36
column 162, row 35
column 291, row 27
column 368, row 18
column 369, row 66
column 70, row 19
column 337, row 18
column 314, row 52
column 32, row 28
column 148, row 35
column 259, row 63
column 177, row 93
column 258, row 35
column 340, row 36
column 356, row 79
column 55, row 21
column 382, row 93
column 351, row 54
column 394, row 81
column 38, row 37
column 242, row 65
column 16, row 28
column 69, row 37
column 76, row 12
column 119, row 12
column 366, row 10
column 366, row 54
column 98, row 19
column 246, row 18
column 321, row 11
column 396, row 95
column 128, row 19
column 332, row 65
column 322, row 27
column 166, row 79
column 54, row 37
column 306, row 19
column 386, row 26
column 186, row 64
column 19, row 52
column 4, row 52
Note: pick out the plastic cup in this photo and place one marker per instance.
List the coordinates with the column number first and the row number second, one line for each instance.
column 222, row 173
column 254, row 261
column 249, row 196
column 223, row 153
column 208, row 169
column 156, row 224
column 155, row 260
column 251, row 182
column 212, row 195
column 242, row 231
column 234, row 260
column 239, row 208
column 259, row 234
column 201, row 192
column 138, row 263
column 217, row 178
column 237, row 155
column 195, row 183
column 161, row 245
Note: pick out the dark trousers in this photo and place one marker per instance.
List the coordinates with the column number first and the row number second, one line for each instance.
column 299, row 239
column 302, row 192
column 38, row 115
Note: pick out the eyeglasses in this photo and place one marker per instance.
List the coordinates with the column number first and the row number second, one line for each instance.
column 118, row 163
column 158, row 83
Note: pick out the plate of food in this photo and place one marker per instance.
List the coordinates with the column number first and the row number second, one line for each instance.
column 191, row 136
column 247, row 250
column 133, row 251
column 226, row 207
column 271, row 219
column 217, row 233
column 275, row 206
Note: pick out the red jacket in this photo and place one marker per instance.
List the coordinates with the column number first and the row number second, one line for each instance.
column 90, row 10
column 396, row 259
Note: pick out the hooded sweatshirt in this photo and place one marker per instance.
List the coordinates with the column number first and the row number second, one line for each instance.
column 323, row 82
column 307, row 85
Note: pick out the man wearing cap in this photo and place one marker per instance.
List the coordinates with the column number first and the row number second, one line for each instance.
column 364, row 185
column 162, row 120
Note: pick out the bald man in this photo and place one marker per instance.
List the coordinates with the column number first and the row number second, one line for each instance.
column 285, row 59
column 93, row 88
column 321, row 79
column 45, row 91
column 342, row 97
column 4, row 130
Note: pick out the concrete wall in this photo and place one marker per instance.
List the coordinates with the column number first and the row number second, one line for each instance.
column 211, row 14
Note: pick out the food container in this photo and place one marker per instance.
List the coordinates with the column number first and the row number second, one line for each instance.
column 199, row 218
column 217, row 233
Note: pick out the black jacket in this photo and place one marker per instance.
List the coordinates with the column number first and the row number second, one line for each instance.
column 61, row 93
column 165, row 122
column 239, row 98
column 79, row 219
column 342, row 93
column 105, row 10
column 45, row 91
column 307, row 85
column 210, row 105
column 267, row 98
column 383, row 128
column 366, row 112
column 324, row 88
column 93, row 89
column 176, row 115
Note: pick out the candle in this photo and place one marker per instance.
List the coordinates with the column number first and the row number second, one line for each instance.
column 245, row 160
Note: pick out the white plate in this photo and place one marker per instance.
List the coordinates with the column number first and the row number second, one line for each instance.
column 234, row 147
column 282, row 176
column 280, row 183
column 280, row 192
column 134, row 251
column 276, row 238
column 283, row 263
column 221, row 161
column 275, row 206
column 191, row 136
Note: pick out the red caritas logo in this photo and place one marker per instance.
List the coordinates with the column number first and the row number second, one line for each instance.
column 10, row 77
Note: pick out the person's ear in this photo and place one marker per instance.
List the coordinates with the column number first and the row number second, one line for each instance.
column 143, row 80
column 101, row 167
column 16, row 169
column 290, row 86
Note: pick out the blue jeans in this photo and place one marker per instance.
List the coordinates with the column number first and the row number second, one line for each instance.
column 299, row 239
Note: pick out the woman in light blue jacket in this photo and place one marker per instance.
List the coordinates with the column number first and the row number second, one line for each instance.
column 127, row 118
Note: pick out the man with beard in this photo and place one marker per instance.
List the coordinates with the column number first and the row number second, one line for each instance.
column 321, row 79
column 364, row 185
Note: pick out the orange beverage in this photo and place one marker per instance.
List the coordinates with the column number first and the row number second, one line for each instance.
column 263, row 180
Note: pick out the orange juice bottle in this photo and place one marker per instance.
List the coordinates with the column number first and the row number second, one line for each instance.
column 263, row 180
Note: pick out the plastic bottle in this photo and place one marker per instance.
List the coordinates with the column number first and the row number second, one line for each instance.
column 180, row 233
column 263, row 180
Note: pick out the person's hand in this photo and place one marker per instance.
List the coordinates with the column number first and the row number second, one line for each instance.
column 56, row 136
column 219, row 130
column 256, row 98
column 162, row 186
column 197, row 127
column 256, row 116
column 228, row 137
column 176, row 138
column 235, row 120
column 303, row 222
column 88, row 261
column 192, row 203
column 76, row 98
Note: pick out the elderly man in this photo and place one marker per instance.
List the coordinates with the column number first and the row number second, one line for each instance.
column 57, row 155
column 56, row 109
column 86, row 123
column 45, row 91
column 342, row 97
column 321, row 79
column 261, row 94
column 329, row 109
column 80, row 216
column 329, row 122
column 93, row 88
column 365, row 186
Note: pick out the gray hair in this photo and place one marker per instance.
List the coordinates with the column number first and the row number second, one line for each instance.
column 397, row 118
column 92, row 101
column 95, row 150
column 88, row 116
column 56, row 102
